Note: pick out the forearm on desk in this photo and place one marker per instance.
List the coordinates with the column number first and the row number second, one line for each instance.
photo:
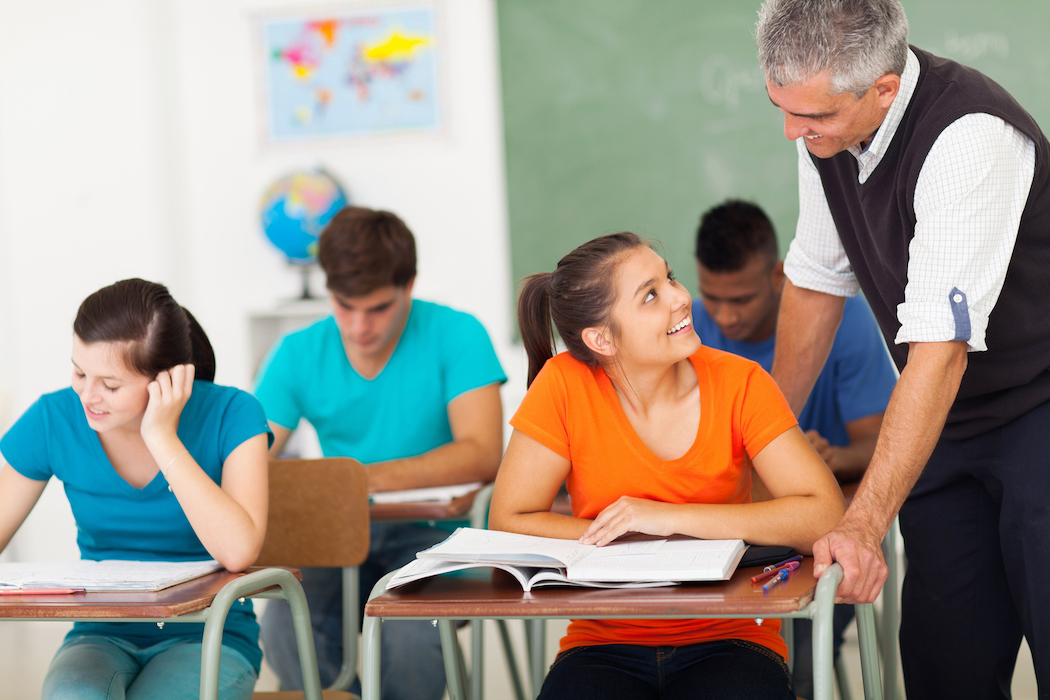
column 458, row 462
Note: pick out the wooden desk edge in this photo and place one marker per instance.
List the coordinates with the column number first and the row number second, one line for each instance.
column 175, row 601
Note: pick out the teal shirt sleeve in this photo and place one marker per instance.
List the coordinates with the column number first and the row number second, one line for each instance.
column 278, row 385
column 470, row 360
column 25, row 445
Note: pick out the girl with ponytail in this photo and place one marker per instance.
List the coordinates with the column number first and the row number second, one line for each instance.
column 159, row 463
column 652, row 433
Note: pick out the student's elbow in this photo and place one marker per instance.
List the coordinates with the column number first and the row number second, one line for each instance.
column 240, row 558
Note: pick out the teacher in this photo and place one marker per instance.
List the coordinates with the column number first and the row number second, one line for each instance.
column 924, row 184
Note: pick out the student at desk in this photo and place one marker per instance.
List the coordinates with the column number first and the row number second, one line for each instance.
column 741, row 278
column 160, row 464
column 653, row 433
column 409, row 388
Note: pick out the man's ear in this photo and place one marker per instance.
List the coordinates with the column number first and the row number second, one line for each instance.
column 778, row 276
column 886, row 89
column 599, row 341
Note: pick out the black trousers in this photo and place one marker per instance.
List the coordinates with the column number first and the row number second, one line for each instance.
column 976, row 529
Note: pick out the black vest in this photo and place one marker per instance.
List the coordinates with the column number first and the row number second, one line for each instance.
column 876, row 222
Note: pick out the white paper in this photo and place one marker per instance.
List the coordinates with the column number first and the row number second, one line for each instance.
column 436, row 494
column 108, row 575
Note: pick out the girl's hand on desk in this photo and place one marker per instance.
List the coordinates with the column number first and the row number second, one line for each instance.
column 629, row 514
column 168, row 394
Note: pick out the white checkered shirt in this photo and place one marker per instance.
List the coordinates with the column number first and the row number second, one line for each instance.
column 968, row 202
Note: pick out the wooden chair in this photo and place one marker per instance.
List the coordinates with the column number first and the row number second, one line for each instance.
column 319, row 518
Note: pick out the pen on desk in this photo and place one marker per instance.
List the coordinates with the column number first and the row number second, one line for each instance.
column 781, row 576
column 797, row 557
column 40, row 591
column 790, row 566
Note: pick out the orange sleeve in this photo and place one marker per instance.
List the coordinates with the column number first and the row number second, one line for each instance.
column 543, row 412
column 765, row 413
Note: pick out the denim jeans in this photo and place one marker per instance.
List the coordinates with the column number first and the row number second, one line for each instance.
column 731, row 669
column 96, row 667
column 411, row 663
column 802, row 671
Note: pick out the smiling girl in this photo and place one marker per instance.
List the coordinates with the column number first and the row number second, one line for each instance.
column 158, row 463
column 652, row 433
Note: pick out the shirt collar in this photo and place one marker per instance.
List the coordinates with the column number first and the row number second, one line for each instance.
column 872, row 155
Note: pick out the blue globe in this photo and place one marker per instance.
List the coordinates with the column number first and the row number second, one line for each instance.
column 296, row 208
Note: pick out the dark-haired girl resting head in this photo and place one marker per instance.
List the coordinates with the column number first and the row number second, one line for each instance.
column 652, row 433
column 160, row 464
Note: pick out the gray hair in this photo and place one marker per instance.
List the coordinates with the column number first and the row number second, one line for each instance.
column 857, row 41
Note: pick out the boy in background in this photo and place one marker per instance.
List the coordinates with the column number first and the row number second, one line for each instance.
column 407, row 387
column 740, row 278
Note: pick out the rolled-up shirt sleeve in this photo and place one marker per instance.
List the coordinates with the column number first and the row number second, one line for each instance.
column 816, row 259
column 969, row 198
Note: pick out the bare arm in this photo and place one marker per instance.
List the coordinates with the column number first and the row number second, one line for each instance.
column 280, row 437
column 848, row 462
column 18, row 495
column 914, row 418
column 230, row 519
column 476, row 418
column 528, row 481
column 806, row 330
column 806, row 503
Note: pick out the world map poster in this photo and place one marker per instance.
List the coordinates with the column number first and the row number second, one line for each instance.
column 351, row 74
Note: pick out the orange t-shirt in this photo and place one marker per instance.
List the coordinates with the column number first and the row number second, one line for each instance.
column 574, row 411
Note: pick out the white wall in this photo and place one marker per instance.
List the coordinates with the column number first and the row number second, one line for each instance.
column 129, row 147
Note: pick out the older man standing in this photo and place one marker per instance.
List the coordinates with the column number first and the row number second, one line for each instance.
column 924, row 184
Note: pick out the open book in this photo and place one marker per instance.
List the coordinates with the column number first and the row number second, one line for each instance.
column 108, row 575
column 630, row 562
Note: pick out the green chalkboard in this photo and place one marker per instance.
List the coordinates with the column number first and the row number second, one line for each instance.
column 639, row 114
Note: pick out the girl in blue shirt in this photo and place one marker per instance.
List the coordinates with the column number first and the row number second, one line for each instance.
column 158, row 463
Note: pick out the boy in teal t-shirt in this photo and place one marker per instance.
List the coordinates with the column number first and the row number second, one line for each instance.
column 410, row 389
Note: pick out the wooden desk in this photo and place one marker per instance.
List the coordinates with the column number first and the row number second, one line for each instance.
column 457, row 508
column 447, row 598
column 206, row 599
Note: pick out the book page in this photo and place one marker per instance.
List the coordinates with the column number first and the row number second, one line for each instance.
column 676, row 559
column 436, row 494
column 109, row 575
column 468, row 544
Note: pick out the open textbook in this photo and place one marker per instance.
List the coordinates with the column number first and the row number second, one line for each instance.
column 637, row 561
column 108, row 575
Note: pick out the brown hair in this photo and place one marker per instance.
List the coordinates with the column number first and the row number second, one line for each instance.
column 579, row 294
column 158, row 333
column 362, row 250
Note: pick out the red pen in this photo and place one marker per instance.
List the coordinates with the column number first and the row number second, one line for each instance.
column 40, row 591
column 790, row 566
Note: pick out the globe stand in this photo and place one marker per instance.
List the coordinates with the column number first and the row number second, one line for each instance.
column 304, row 276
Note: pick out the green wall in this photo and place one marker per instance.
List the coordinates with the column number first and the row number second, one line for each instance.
column 639, row 114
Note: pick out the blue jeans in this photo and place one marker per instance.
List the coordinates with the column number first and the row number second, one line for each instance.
column 96, row 667
column 411, row 663
column 731, row 669
column 802, row 671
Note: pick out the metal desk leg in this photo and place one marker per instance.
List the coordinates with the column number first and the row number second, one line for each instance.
column 370, row 646
column 477, row 659
column 869, row 651
column 215, row 620
column 823, row 611
column 890, row 618
column 512, row 662
column 455, row 676
column 536, row 634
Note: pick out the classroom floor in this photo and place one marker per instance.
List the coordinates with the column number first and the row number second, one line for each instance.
column 26, row 649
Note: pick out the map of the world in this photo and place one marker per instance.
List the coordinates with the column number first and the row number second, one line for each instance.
column 351, row 74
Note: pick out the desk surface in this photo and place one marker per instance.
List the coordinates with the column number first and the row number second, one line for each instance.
column 457, row 508
column 500, row 596
column 191, row 596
